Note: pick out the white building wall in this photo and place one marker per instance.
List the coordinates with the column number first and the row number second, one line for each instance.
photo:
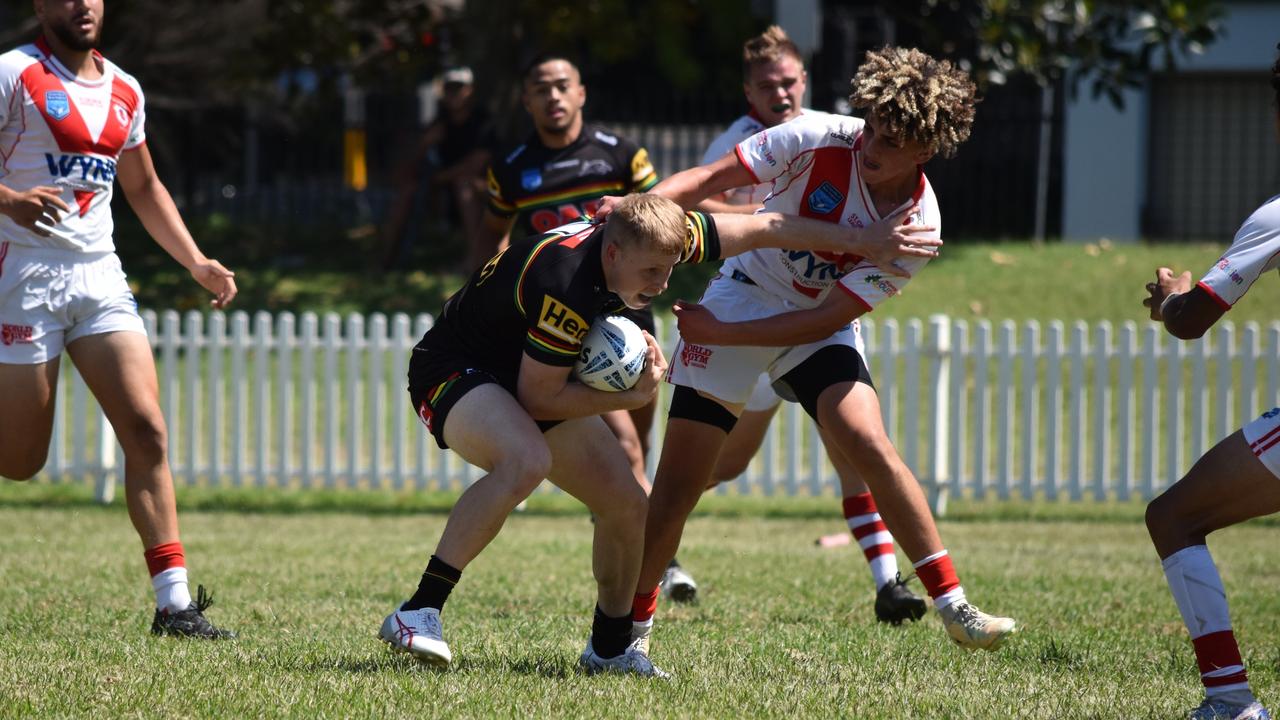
column 1104, row 153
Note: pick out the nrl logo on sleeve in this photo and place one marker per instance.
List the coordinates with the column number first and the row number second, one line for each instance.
column 531, row 179
column 556, row 318
column 825, row 198
column 56, row 104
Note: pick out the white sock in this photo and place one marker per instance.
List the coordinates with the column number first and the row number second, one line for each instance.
column 1202, row 600
column 172, row 593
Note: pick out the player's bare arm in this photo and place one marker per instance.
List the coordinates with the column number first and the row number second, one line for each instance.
column 699, row 325
column 690, row 187
column 34, row 208
column 154, row 207
column 882, row 242
column 547, row 393
column 1187, row 312
column 719, row 203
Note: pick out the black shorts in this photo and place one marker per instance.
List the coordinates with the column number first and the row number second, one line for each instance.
column 828, row 366
column 437, row 381
column 643, row 318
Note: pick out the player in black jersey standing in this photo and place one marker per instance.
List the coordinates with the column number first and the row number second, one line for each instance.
column 558, row 174
column 491, row 380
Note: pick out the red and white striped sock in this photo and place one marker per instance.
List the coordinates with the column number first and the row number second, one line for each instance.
column 168, row 567
column 1202, row 600
column 872, row 536
column 939, row 578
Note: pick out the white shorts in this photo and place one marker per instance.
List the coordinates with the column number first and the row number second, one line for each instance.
column 763, row 397
column 1263, row 436
column 731, row 373
column 50, row 297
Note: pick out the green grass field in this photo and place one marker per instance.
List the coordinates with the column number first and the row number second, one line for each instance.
column 783, row 629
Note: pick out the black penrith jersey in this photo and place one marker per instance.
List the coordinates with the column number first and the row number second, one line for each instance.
column 545, row 188
column 538, row 297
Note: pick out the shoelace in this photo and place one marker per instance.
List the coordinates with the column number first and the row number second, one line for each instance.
column 966, row 613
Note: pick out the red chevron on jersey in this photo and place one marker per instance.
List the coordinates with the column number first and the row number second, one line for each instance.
column 64, row 120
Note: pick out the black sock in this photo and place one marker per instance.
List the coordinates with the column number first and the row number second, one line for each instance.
column 610, row 636
column 674, row 563
column 434, row 588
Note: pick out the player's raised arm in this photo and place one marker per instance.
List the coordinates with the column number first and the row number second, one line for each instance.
column 882, row 243
column 1187, row 312
column 690, row 187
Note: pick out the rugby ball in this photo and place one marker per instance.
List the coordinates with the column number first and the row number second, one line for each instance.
column 613, row 354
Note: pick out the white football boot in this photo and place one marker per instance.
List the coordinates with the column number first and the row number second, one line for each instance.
column 1219, row 709
column 633, row 661
column 419, row 633
column 678, row 584
column 973, row 629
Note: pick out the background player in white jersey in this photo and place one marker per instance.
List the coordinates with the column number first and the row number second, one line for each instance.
column 71, row 123
column 774, row 85
column 1238, row 479
column 789, row 323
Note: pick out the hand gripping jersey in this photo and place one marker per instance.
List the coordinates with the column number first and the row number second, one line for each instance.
column 68, row 133
column 538, row 297
column 741, row 129
column 812, row 164
column 1255, row 250
column 545, row 188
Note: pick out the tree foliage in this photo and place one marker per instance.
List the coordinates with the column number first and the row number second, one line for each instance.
column 1108, row 44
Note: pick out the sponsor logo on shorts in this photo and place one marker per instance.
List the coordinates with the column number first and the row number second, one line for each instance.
column 694, row 355
column 20, row 334
column 878, row 282
column 1271, row 413
column 557, row 319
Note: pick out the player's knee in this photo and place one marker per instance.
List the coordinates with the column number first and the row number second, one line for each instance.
column 1163, row 519
column 525, row 469
column 145, row 439
column 24, row 463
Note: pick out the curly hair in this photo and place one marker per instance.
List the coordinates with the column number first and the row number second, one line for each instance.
column 768, row 47
column 926, row 100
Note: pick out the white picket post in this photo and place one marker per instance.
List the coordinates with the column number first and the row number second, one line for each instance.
column 909, row 427
column 422, row 439
column 214, row 386
column 1224, row 417
column 888, row 353
column 792, row 472
column 1174, row 401
column 354, row 337
column 1102, row 352
column 170, row 340
column 105, row 485
column 400, row 344
column 982, row 409
column 261, row 399
column 1272, row 397
column 1198, row 426
column 939, row 379
column 1152, row 346
column 1248, row 401
column 193, row 353
column 1053, row 414
column 238, row 392
column 1077, row 410
column 1128, row 350
column 309, row 345
column 1030, row 406
column 958, row 407
column 377, row 402
column 1004, row 410
column 332, row 340
column 285, row 340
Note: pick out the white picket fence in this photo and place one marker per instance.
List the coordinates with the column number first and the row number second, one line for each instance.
column 981, row 410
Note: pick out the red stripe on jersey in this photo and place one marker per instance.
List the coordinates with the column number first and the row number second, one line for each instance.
column 1272, row 435
column 743, row 162
column 70, row 132
column 1221, row 303
column 832, row 165
column 855, row 296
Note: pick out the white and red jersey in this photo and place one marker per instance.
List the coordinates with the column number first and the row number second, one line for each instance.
column 1255, row 250
column 67, row 132
column 812, row 165
column 741, row 129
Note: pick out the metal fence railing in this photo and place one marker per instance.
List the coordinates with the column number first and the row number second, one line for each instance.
column 977, row 410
